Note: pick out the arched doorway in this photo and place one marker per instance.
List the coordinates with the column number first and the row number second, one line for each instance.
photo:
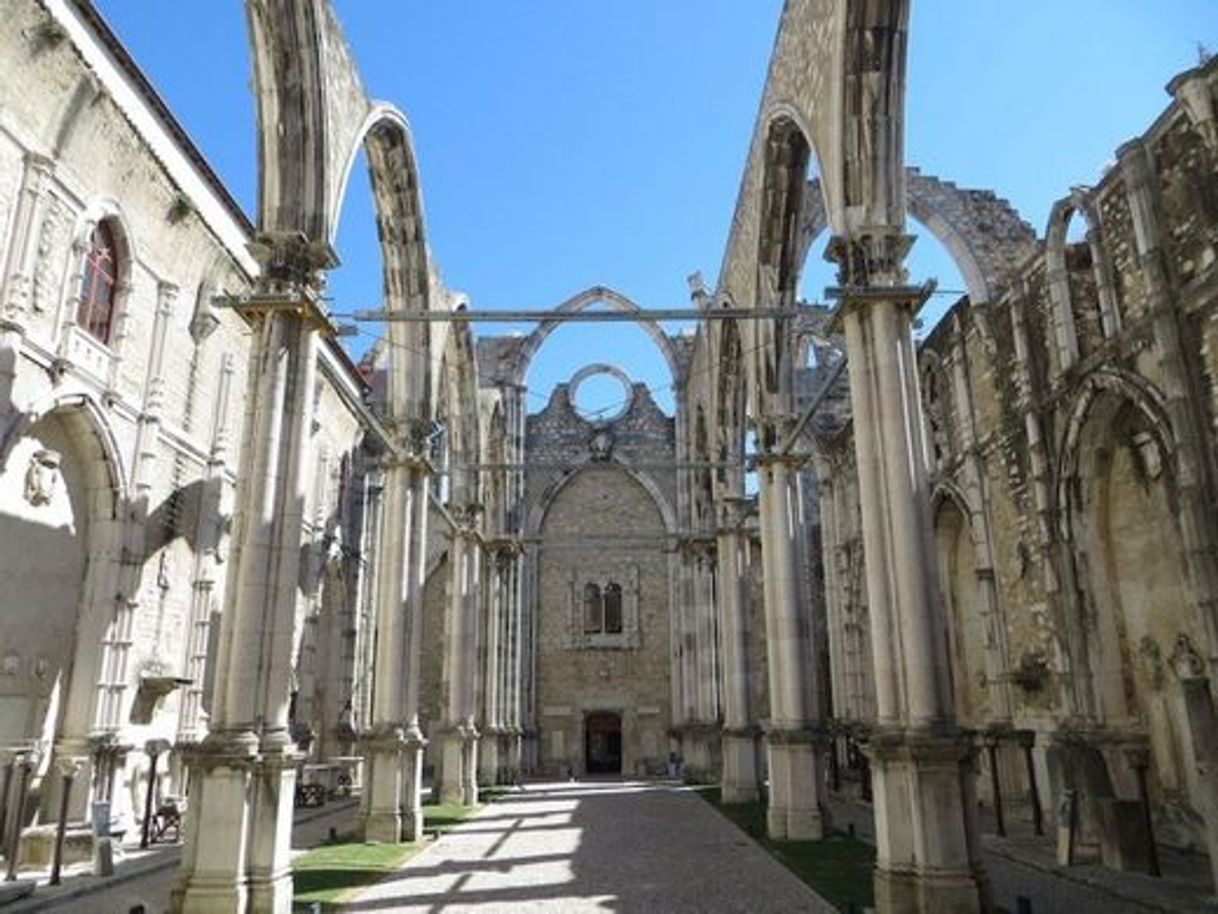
column 603, row 742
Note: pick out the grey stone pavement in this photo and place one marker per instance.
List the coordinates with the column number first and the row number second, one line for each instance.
column 593, row 846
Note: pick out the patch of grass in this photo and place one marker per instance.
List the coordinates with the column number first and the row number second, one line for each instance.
column 441, row 817
column 838, row 868
column 336, row 872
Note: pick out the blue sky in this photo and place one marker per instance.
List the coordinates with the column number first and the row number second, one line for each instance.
column 568, row 143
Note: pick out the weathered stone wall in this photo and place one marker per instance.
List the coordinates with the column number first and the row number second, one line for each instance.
column 1075, row 567
column 629, row 674
column 142, row 501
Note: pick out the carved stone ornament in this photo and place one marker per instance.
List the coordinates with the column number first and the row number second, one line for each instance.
column 1186, row 661
column 42, row 477
column 601, row 445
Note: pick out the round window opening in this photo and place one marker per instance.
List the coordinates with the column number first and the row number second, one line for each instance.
column 601, row 394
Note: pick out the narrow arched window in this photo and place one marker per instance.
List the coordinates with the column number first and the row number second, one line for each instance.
column 99, row 285
column 594, row 610
column 613, row 609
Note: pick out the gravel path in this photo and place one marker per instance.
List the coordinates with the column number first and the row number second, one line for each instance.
column 593, row 847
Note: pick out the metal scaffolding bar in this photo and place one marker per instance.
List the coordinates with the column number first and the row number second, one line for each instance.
column 468, row 316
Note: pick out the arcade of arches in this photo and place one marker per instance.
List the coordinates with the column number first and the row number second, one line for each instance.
column 981, row 570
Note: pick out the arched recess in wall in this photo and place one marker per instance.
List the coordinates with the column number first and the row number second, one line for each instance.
column 964, row 635
column 64, row 480
column 1134, row 625
column 1081, row 287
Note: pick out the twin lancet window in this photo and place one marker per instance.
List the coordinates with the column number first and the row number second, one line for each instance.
column 603, row 613
column 603, row 609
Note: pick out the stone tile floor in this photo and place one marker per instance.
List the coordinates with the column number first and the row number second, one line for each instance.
column 593, row 846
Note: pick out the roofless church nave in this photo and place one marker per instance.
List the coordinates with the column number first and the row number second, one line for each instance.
column 951, row 593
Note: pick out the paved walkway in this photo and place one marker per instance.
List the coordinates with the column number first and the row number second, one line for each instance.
column 631, row 847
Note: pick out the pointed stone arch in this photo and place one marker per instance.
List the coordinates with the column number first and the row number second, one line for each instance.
column 581, row 301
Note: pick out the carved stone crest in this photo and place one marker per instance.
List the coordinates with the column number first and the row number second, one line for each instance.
column 42, row 477
column 601, row 445
column 1186, row 661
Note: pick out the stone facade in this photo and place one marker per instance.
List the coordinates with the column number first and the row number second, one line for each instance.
column 120, row 453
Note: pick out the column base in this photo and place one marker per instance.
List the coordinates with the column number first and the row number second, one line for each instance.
column 270, row 862
column 923, row 893
column 469, row 768
column 699, row 743
column 382, row 806
column 212, row 873
column 794, row 812
column 488, row 758
column 412, row 786
column 925, row 833
column 739, row 782
column 458, row 774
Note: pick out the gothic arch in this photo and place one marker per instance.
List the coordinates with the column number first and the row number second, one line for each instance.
column 1065, row 323
column 1145, row 397
column 616, row 301
column 87, row 419
column 1117, row 457
column 985, row 236
column 554, row 488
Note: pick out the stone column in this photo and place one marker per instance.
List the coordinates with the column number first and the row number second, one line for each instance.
column 794, row 812
column 238, row 829
column 739, row 779
column 412, row 751
column 515, row 761
column 927, row 854
column 459, row 753
column 492, row 720
column 393, row 732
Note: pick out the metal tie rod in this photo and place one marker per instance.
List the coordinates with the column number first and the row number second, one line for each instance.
column 467, row 316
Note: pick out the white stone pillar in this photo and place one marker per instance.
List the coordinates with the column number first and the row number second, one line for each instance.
column 459, row 752
column 739, row 778
column 925, row 862
column 238, row 829
column 794, row 812
column 492, row 720
column 385, row 740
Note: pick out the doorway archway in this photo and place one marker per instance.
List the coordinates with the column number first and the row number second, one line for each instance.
column 603, row 743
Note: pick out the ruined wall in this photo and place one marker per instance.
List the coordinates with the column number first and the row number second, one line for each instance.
column 1071, row 424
